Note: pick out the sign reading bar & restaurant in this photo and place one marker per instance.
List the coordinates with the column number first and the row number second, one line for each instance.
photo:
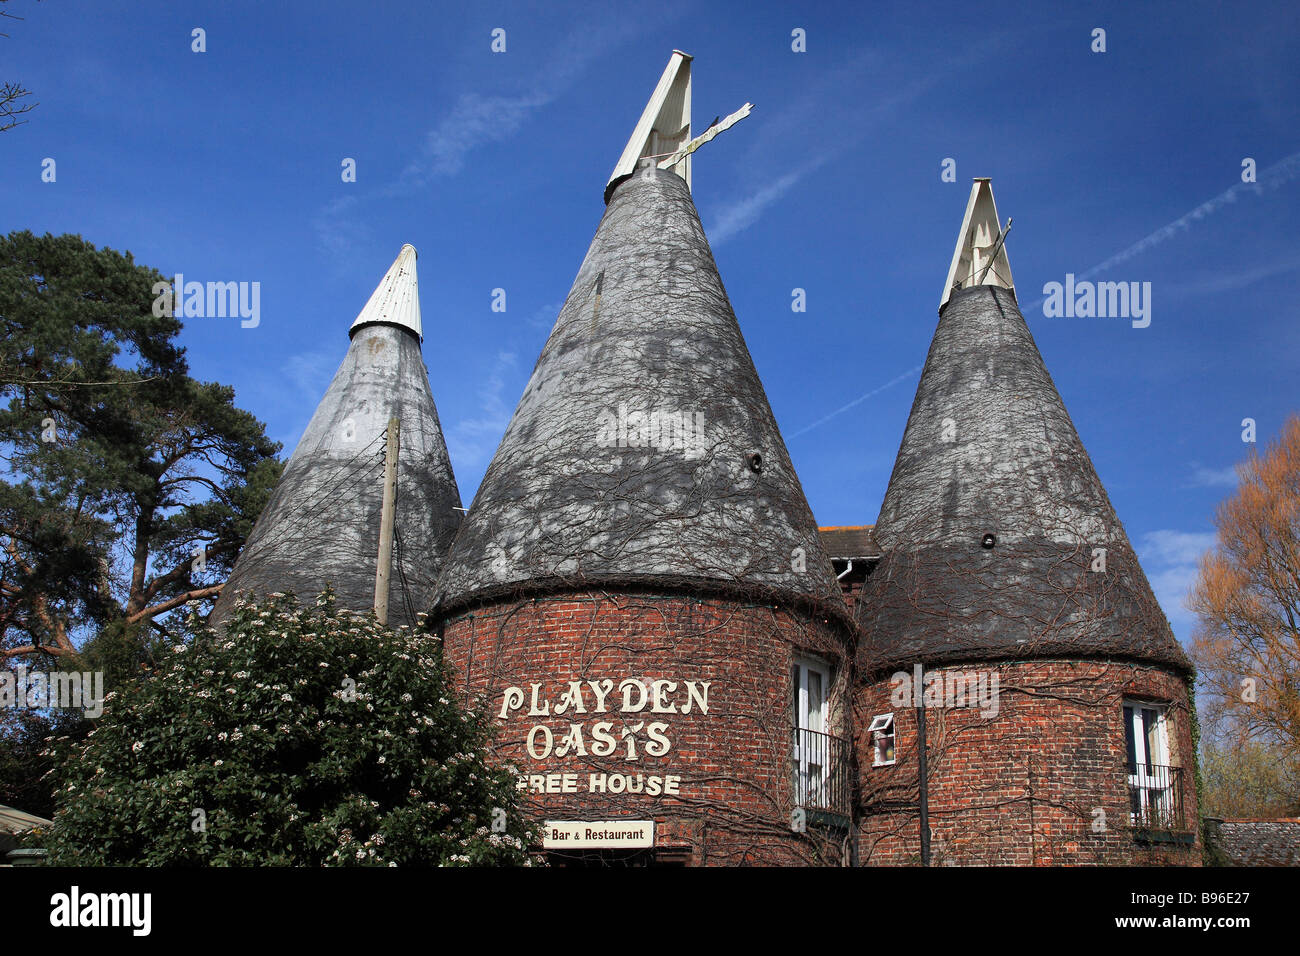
column 573, row 835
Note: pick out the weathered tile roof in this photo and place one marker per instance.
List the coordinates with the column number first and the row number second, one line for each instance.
column 994, row 516
column 1260, row 842
column 322, row 522
column 578, row 494
column 849, row 541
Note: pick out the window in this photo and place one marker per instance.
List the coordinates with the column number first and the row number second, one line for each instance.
column 1150, row 777
column 811, row 680
column 881, row 730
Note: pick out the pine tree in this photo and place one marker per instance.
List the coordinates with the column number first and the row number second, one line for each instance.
column 129, row 486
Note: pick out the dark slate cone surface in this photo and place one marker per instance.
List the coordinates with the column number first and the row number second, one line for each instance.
column 989, row 449
column 322, row 522
column 567, row 502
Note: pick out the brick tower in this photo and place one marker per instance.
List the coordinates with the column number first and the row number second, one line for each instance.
column 322, row 524
column 1009, row 613
column 638, row 592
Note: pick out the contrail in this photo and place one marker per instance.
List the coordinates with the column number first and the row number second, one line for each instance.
column 859, row 400
column 1271, row 178
column 1276, row 175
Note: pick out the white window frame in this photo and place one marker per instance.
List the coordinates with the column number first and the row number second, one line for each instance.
column 882, row 725
column 811, row 753
column 1151, row 778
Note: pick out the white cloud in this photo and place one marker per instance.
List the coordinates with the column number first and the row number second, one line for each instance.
column 1175, row 547
column 474, row 121
column 311, row 372
column 1172, row 587
column 478, row 119
column 544, row 318
column 1170, row 559
column 471, row 441
column 1214, row 477
column 337, row 229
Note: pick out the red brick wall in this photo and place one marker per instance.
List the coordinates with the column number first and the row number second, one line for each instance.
column 733, row 763
column 1024, row 787
column 851, row 583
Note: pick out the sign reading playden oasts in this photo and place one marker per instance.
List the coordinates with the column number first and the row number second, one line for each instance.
column 624, row 738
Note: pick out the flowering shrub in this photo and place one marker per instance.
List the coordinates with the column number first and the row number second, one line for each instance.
column 300, row 736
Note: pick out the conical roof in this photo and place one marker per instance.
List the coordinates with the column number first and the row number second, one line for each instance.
column 989, row 450
column 396, row 300
column 643, row 449
column 321, row 524
column 664, row 126
column 981, row 255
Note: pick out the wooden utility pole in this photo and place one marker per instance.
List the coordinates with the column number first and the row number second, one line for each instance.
column 384, row 570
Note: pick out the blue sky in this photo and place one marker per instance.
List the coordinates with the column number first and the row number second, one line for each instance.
column 225, row 165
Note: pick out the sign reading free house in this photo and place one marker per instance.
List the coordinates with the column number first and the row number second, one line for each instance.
column 579, row 834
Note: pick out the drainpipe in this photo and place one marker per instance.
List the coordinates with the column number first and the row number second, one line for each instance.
column 853, row 826
column 922, row 747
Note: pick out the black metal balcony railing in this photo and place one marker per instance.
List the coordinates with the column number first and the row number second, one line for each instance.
column 1155, row 794
column 821, row 771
